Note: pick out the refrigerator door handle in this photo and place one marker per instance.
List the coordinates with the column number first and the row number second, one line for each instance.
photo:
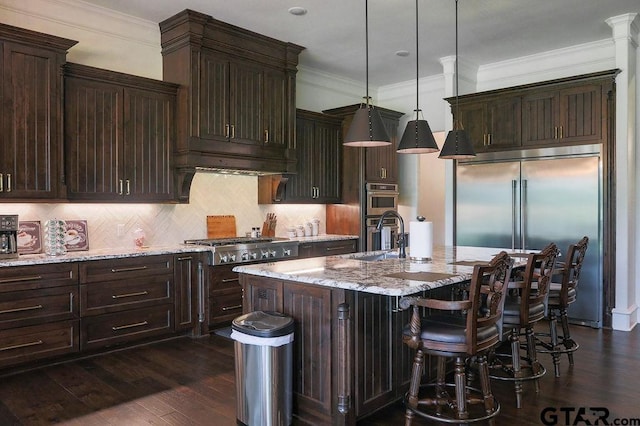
column 514, row 184
column 523, row 214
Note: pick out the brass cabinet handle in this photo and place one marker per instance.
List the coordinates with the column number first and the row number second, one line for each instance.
column 488, row 139
column 266, row 136
column 561, row 135
column 8, row 182
column 555, row 135
column 123, row 327
column 181, row 259
column 1, row 183
column 24, row 345
column 233, row 131
column 337, row 248
column 135, row 268
column 21, row 279
column 120, row 187
column 26, row 308
column 231, row 308
column 230, row 280
column 227, row 132
column 138, row 293
column 128, row 187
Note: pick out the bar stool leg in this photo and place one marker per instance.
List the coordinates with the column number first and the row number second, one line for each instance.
column 514, row 339
column 414, row 387
column 553, row 335
column 461, row 391
column 568, row 343
column 532, row 356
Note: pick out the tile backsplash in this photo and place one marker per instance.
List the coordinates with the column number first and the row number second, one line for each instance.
column 211, row 194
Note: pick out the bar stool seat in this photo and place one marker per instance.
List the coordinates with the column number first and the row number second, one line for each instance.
column 524, row 307
column 457, row 329
column 562, row 294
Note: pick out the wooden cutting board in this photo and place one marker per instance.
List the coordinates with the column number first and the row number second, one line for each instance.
column 221, row 226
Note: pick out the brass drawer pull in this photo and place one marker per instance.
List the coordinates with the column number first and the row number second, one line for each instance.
column 24, row 345
column 120, row 296
column 123, row 327
column 231, row 308
column 135, row 268
column 26, row 308
column 180, row 259
column 338, row 248
column 230, row 280
column 15, row 280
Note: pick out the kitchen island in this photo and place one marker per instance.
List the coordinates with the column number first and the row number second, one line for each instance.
column 349, row 359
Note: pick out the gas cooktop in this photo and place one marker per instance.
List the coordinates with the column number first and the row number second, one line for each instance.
column 247, row 249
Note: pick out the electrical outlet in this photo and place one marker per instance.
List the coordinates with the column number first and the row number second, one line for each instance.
column 120, row 230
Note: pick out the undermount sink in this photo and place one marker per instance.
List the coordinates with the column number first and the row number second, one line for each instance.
column 379, row 256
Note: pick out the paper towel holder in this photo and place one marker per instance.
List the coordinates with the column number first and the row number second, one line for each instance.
column 419, row 218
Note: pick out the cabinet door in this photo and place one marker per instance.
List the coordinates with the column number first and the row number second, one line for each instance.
column 246, row 103
column 473, row 117
column 581, row 114
column 30, row 113
column 374, row 347
column 187, row 277
column 310, row 307
column 540, row 118
column 300, row 186
column 149, row 132
column 93, row 139
column 213, row 102
column 381, row 163
column 274, row 107
column 327, row 173
column 504, row 123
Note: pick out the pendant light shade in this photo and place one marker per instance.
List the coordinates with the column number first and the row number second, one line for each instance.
column 417, row 137
column 457, row 145
column 367, row 128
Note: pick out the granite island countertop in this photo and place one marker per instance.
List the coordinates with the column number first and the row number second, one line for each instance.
column 386, row 276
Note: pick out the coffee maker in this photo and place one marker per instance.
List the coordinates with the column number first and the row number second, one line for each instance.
column 8, row 236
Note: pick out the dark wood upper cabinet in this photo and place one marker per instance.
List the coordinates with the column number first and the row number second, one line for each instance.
column 119, row 135
column 565, row 111
column 30, row 111
column 236, row 108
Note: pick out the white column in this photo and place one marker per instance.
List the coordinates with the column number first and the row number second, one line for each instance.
column 627, row 158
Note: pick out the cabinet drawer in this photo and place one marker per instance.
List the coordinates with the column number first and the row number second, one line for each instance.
column 222, row 276
column 38, row 276
column 120, row 327
column 225, row 307
column 21, row 308
column 125, row 268
column 114, row 296
column 25, row 344
column 330, row 248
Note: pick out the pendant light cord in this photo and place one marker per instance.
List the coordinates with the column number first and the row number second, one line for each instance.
column 455, row 126
column 417, row 65
column 366, row 38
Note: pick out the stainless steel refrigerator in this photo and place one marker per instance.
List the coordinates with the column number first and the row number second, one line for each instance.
column 527, row 199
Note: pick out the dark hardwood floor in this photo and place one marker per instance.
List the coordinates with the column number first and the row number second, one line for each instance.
column 191, row 382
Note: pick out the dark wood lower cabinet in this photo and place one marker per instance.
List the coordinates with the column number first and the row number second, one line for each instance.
column 349, row 360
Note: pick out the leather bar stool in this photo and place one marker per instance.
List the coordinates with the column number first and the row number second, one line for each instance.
column 561, row 295
column 457, row 329
column 523, row 308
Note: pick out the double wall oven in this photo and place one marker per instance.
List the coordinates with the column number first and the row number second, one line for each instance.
column 380, row 197
column 220, row 295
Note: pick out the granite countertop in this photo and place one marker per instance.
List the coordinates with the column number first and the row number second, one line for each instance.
column 78, row 256
column 391, row 276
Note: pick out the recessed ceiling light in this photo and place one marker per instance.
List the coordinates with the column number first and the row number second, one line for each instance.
column 298, row 11
column 402, row 53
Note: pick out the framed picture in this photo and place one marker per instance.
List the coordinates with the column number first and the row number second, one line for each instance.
column 77, row 235
column 29, row 237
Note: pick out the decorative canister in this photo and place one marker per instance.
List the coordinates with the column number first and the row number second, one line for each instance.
column 315, row 226
column 291, row 232
column 299, row 231
column 308, row 229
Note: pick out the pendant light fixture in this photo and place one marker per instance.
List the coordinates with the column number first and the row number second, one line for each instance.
column 417, row 137
column 367, row 128
column 457, row 145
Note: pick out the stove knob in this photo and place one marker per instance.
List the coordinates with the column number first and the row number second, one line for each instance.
column 245, row 256
column 272, row 253
column 254, row 255
column 232, row 258
column 286, row 252
column 223, row 258
column 264, row 254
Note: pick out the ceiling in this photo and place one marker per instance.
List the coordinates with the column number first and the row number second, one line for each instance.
column 333, row 31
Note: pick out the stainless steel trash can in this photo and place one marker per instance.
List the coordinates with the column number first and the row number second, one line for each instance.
column 263, row 363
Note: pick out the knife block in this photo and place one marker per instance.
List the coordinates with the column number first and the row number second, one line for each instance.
column 268, row 229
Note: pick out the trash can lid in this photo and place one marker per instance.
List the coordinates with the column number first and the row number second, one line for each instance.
column 263, row 324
